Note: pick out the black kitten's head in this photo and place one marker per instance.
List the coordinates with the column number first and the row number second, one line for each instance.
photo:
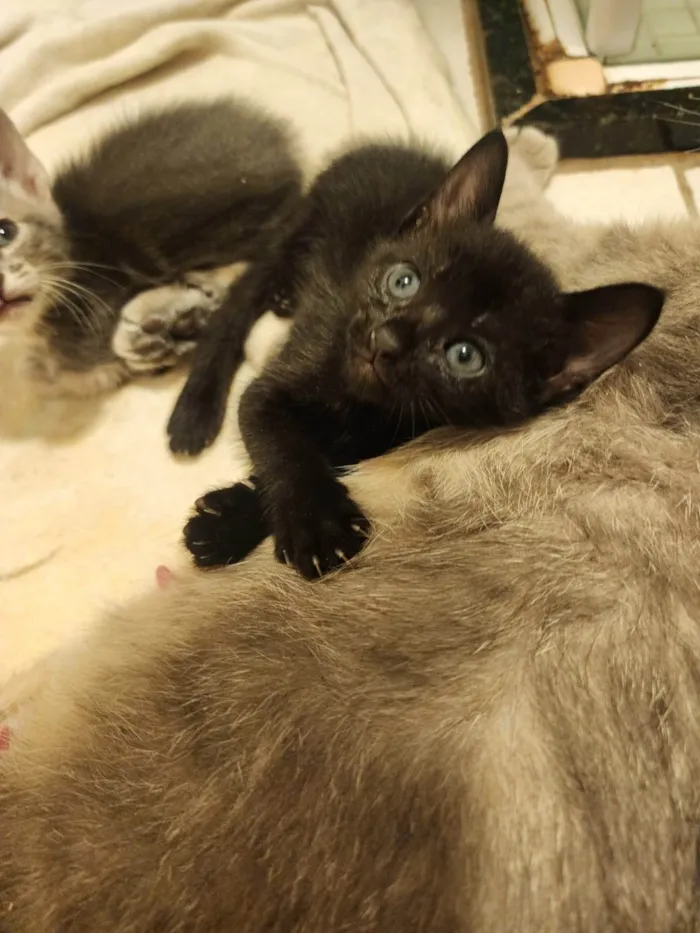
column 456, row 316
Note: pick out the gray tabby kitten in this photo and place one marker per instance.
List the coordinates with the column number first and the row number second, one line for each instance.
column 491, row 724
column 114, row 268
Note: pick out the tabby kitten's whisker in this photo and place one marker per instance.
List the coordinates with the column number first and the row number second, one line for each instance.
column 95, row 324
column 58, row 291
column 90, row 295
column 83, row 267
column 78, row 313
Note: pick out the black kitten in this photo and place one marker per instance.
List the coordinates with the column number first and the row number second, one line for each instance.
column 411, row 311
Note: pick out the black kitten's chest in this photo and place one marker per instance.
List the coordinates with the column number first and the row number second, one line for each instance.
column 359, row 432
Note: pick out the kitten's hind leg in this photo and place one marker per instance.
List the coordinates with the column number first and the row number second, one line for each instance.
column 161, row 325
column 201, row 407
column 269, row 285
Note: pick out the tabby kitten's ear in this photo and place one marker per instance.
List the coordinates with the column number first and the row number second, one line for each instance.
column 471, row 190
column 606, row 324
column 20, row 170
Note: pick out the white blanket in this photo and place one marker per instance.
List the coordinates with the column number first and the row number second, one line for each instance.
column 91, row 500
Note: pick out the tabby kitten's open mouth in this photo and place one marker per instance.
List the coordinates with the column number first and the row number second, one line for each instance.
column 7, row 306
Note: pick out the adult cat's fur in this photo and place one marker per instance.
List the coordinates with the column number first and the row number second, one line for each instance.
column 492, row 724
column 396, row 266
column 116, row 266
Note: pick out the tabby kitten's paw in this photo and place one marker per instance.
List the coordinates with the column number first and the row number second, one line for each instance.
column 50, row 379
column 322, row 534
column 198, row 416
column 227, row 525
column 160, row 326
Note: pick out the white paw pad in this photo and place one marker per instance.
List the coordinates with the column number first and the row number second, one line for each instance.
column 159, row 326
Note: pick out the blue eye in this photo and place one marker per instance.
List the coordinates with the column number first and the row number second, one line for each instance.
column 402, row 281
column 8, row 231
column 465, row 359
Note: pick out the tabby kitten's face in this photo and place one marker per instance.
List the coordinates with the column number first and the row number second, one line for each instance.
column 457, row 321
column 33, row 249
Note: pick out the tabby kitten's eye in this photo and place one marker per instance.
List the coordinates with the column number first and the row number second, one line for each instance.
column 465, row 359
column 402, row 281
column 8, row 231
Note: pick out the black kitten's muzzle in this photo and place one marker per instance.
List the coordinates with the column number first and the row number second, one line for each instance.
column 382, row 349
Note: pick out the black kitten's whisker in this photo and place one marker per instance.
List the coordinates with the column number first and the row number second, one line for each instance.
column 399, row 422
column 679, row 109
column 424, row 411
column 682, row 122
column 437, row 410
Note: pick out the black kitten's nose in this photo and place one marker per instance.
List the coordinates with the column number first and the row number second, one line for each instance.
column 388, row 340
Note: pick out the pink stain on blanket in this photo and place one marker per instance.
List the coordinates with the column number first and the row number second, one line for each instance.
column 164, row 577
column 5, row 736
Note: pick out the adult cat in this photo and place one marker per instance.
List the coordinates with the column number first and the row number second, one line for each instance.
column 492, row 723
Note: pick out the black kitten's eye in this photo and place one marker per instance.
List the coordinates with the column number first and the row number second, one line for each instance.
column 465, row 359
column 8, row 231
column 402, row 281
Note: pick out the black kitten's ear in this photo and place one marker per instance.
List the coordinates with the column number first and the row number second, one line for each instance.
column 606, row 324
column 471, row 190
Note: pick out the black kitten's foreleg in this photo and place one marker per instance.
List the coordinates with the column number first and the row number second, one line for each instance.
column 315, row 523
column 227, row 525
column 294, row 495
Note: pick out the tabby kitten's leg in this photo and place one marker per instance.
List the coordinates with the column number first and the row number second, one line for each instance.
column 49, row 378
column 161, row 325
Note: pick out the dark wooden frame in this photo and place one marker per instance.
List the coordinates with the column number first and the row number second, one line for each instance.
column 641, row 121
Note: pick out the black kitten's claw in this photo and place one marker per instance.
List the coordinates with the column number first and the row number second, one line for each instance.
column 328, row 535
column 202, row 505
column 227, row 525
column 197, row 419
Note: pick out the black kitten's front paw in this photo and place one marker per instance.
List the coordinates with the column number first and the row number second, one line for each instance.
column 323, row 533
column 228, row 524
column 197, row 418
